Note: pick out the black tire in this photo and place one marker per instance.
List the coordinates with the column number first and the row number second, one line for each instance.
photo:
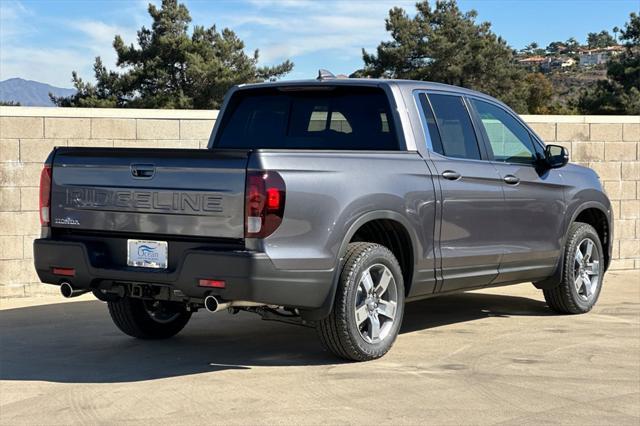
column 133, row 317
column 339, row 332
column 565, row 298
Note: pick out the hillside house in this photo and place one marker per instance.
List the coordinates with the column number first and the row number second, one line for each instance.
column 591, row 57
column 535, row 62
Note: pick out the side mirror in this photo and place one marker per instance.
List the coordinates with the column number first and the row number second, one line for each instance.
column 556, row 156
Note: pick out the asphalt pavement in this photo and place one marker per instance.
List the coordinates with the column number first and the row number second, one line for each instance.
column 498, row 356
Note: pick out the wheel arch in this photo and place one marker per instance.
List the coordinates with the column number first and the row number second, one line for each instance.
column 407, row 262
column 596, row 215
column 589, row 212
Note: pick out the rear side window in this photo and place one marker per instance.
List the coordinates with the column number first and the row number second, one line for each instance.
column 450, row 127
column 349, row 118
column 434, row 141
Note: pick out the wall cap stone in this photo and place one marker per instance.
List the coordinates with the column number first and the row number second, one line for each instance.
column 12, row 111
column 595, row 119
column 176, row 114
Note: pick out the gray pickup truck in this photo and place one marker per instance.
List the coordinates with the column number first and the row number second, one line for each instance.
column 327, row 203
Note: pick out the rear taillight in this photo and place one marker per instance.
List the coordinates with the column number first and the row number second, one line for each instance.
column 264, row 204
column 45, row 195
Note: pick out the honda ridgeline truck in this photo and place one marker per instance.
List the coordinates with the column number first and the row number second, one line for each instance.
column 329, row 203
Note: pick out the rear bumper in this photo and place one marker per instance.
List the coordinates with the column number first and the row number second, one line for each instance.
column 249, row 276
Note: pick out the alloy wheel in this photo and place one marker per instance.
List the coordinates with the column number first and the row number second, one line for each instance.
column 376, row 303
column 586, row 271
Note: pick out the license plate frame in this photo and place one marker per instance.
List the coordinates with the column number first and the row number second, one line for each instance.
column 147, row 254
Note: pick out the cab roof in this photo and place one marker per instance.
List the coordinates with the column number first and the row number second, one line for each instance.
column 409, row 85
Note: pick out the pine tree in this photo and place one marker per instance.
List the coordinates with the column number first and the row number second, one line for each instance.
column 171, row 68
column 446, row 45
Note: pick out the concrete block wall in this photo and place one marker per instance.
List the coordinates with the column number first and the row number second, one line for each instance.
column 27, row 135
column 610, row 145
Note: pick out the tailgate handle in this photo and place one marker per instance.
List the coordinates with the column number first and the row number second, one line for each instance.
column 143, row 171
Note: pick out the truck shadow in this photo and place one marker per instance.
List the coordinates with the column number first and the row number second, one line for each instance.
column 77, row 343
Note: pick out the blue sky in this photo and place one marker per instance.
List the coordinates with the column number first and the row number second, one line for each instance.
column 45, row 40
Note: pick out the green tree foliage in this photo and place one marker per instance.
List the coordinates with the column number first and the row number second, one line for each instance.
column 443, row 44
column 556, row 47
column 532, row 49
column 9, row 103
column 600, row 40
column 572, row 45
column 620, row 93
column 171, row 68
column 539, row 92
column 563, row 47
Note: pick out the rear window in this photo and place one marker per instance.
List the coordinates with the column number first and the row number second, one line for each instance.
column 349, row 118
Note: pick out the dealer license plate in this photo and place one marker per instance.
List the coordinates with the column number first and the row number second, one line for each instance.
column 147, row 254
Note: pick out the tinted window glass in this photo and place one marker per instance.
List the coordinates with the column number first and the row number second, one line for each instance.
column 322, row 119
column 340, row 118
column 510, row 141
column 432, row 127
column 454, row 125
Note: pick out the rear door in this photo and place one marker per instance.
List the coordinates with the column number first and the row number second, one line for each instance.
column 471, row 194
column 531, row 229
column 194, row 193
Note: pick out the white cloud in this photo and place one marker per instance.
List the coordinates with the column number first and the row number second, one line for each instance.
column 307, row 44
column 10, row 10
column 20, row 60
column 47, row 65
column 101, row 33
column 33, row 60
column 98, row 39
column 13, row 22
column 285, row 29
column 282, row 3
column 282, row 29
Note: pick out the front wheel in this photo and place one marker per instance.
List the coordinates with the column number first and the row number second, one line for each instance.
column 582, row 272
column 368, row 307
column 148, row 319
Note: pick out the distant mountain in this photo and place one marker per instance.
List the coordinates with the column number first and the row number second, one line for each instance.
column 30, row 93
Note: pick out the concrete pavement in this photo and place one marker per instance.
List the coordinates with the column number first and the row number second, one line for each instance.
column 493, row 357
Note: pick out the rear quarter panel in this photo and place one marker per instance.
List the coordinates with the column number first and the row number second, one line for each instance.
column 328, row 192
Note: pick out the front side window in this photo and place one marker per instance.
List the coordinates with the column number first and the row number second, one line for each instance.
column 450, row 127
column 509, row 140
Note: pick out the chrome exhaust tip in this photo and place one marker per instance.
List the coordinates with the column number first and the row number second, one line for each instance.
column 67, row 290
column 212, row 304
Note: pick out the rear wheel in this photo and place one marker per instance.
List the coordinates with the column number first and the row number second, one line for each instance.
column 369, row 304
column 148, row 319
column 582, row 272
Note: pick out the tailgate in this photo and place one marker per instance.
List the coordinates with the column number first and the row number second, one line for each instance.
column 156, row 191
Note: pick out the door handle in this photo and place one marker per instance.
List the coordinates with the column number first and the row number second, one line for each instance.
column 143, row 170
column 451, row 175
column 511, row 179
